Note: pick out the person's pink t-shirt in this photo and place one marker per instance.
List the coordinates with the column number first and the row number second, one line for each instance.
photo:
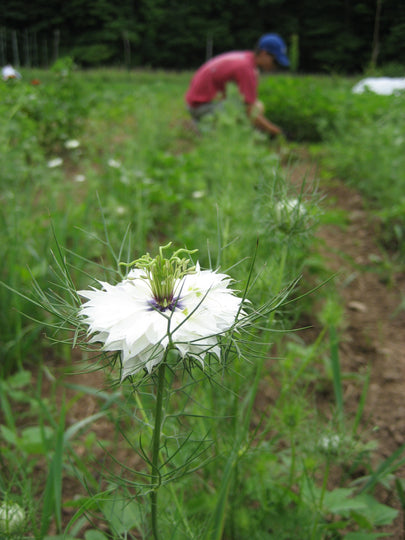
column 211, row 78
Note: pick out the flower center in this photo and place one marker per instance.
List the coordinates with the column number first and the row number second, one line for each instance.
column 163, row 275
column 165, row 304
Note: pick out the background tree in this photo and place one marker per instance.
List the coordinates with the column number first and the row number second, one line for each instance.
column 334, row 36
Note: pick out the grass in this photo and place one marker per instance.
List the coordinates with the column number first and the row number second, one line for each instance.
column 235, row 464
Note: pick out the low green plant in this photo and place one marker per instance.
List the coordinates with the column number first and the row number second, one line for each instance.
column 369, row 155
column 262, row 461
column 39, row 436
column 305, row 107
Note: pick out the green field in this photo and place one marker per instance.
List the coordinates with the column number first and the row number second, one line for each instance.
column 101, row 167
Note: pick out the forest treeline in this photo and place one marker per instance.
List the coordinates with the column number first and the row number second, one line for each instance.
column 342, row 36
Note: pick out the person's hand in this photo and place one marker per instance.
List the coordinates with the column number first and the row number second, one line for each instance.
column 277, row 134
column 286, row 135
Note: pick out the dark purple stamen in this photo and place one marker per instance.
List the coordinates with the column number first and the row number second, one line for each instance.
column 165, row 304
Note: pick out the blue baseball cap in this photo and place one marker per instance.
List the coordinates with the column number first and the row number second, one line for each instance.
column 274, row 44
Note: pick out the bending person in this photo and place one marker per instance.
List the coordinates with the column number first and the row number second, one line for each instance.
column 208, row 85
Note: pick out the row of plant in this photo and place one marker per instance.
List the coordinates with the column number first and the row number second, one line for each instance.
column 214, row 446
column 361, row 135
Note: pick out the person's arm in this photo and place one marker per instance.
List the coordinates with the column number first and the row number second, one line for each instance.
column 261, row 122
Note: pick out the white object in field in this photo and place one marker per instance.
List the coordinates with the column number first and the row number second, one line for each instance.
column 385, row 86
column 12, row 517
column 8, row 72
column 288, row 208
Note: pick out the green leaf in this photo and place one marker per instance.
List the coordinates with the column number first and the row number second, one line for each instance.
column 362, row 520
column 60, row 537
column 400, row 491
column 386, row 467
column 75, row 428
column 340, row 501
column 52, row 500
column 121, row 514
column 84, row 504
column 35, row 439
column 378, row 514
column 95, row 535
column 19, row 380
column 8, row 434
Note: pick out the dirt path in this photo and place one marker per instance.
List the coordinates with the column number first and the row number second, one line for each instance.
column 373, row 335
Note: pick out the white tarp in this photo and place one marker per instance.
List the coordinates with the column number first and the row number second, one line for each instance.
column 384, row 86
column 8, row 72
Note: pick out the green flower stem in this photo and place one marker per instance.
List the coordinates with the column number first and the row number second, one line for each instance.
column 321, row 500
column 172, row 491
column 155, row 480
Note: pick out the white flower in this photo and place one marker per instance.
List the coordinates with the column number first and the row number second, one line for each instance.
column 124, row 179
column 114, row 163
column 198, row 194
column 8, row 72
column 398, row 141
column 71, row 144
column 55, row 162
column 12, row 517
column 79, row 178
column 289, row 206
column 147, row 181
column 289, row 210
column 132, row 317
column 329, row 443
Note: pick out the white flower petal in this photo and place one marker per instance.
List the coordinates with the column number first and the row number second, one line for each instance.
column 72, row 144
column 114, row 163
column 122, row 318
column 55, row 162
